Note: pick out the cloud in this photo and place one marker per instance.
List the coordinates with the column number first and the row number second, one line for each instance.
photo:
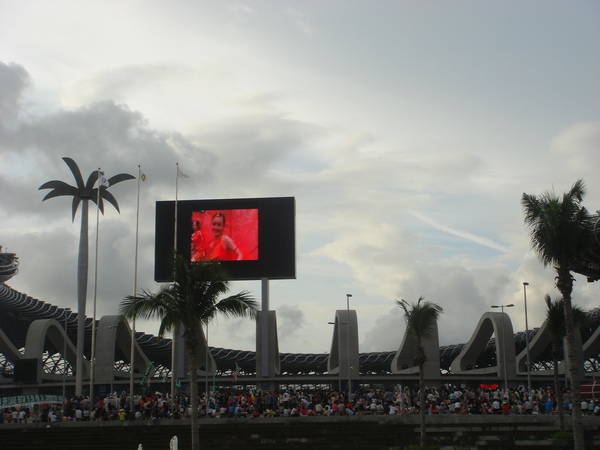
column 14, row 81
column 121, row 83
column 302, row 23
column 578, row 145
column 290, row 322
column 462, row 234
column 240, row 9
column 386, row 334
column 407, row 176
column 250, row 150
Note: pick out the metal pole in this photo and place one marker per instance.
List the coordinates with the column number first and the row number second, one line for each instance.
column 174, row 341
column 525, row 284
column 504, row 355
column 265, row 349
column 206, row 370
column 65, row 362
column 135, row 274
column 93, row 344
column 348, row 343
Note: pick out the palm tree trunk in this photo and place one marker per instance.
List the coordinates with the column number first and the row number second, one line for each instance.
column 422, row 404
column 191, row 344
column 557, row 389
column 565, row 286
column 82, row 280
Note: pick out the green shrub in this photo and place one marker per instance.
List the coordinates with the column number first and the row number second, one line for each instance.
column 562, row 435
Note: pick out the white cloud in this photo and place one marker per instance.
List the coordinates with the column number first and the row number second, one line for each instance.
column 578, row 145
column 406, row 133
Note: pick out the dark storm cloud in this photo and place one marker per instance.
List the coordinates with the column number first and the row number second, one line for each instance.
column 103, row 134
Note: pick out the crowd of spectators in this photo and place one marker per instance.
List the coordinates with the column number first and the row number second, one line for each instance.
column 295, row 403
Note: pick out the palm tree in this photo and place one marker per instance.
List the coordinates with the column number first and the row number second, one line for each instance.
column 82, row 193
column 192, row 300
column 561, row 231
column 555, row 324
column 421, row 321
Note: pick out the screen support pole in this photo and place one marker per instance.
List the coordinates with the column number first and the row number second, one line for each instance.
column 265, row 328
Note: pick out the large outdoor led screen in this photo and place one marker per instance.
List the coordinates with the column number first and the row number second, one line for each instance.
column 253, row 238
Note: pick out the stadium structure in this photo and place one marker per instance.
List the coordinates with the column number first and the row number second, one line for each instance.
column 38, row 351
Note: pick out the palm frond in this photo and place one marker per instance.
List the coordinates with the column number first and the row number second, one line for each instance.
column 560, row 228
column 59, row 188
column 91, row 182
column 192, row 298
column 555, row 317
column 75, row 205
column 421, row 318
column 76, row 172
column 120, row 177
column 239, row 305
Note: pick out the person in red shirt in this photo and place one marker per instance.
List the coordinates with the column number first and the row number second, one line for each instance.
column 222, row 248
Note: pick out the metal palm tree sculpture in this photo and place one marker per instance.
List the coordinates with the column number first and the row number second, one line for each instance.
column 82, row 193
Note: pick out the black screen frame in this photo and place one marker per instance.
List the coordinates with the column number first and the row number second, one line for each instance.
column 276, row 236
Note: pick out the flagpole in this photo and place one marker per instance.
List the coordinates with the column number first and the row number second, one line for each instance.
column 176, row 342
column 135, row 273
column 176, row 199
column 206, row 368
column 93, row 344
column 175, row 337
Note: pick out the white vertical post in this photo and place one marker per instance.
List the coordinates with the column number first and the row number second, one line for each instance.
column 265, row 357
column 174, row 340
column 93, row 343
column 525, row 284
column 135, row 273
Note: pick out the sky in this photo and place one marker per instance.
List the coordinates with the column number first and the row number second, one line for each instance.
column 406, row 131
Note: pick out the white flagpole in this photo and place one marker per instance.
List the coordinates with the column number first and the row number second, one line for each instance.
column 135, row 273
column 176, row 195
column 174, row 346
column 93, row 344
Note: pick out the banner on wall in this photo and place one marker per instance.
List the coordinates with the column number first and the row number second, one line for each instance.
column 29, row 400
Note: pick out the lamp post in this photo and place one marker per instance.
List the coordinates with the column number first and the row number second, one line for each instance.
column 65, row 363
column 525, row 284
column 503, row 343
column 348, row 344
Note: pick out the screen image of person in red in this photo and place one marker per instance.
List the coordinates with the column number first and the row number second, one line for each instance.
column 222, row 247
column 198, row 245
column 224, row 235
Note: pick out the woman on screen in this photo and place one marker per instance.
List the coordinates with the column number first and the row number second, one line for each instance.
column 198, row 247
column 222, row 248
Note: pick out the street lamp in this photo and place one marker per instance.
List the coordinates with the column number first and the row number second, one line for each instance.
column 525, row 284
column 348, row 342
column 503, row 343
column 67, row 312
